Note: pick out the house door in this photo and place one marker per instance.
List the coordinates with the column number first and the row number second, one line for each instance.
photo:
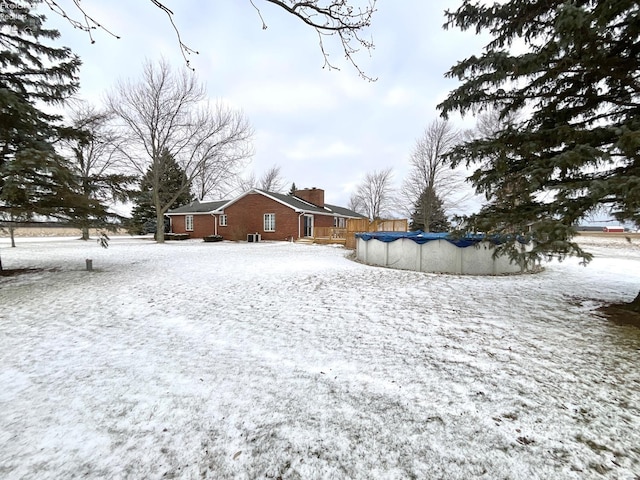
column 308, row 226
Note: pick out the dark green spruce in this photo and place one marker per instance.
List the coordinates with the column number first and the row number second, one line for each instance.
column 429, row 214
column 34, row 179
column 170, row 178
column 575, row 79
column 37, row 182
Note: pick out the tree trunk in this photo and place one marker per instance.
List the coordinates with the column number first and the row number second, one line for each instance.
column 425, row 214
column 85, row 233
column 159, row 227
column 11, row 234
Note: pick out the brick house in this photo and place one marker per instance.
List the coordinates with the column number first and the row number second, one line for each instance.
column 274, row 216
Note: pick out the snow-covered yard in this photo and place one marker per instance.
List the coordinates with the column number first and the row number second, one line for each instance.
column 277, row 360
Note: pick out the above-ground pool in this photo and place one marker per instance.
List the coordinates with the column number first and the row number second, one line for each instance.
column 434, row 252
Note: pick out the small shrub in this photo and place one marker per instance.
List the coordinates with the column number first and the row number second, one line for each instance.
column 176, row 236
column 213, row 238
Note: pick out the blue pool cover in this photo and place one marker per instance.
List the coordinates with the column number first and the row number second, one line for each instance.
column 424, row 237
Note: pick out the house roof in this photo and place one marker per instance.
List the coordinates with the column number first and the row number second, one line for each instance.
column 291, row 201
column 344, row 212
column 297, row 204
column 197, row 207
column 302, row 206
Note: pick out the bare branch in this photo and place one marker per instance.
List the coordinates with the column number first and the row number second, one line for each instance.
column 242, row 184
column 335, row 18
column 88, row 23
column 264, row 25
column 93, row 154
column 271, row 180
column 431, row 175
column 374, row 196
column 167, row 113
column 329, row 18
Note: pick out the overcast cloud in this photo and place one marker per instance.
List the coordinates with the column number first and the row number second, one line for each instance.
column 325, row 129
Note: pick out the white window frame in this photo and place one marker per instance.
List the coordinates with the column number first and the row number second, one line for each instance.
column 188, row 223
column 269, row 222
column 223, row 220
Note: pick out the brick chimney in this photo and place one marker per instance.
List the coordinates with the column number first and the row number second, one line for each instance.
column 313, row 195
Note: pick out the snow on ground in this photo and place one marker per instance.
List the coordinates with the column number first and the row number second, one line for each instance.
column 278, row 360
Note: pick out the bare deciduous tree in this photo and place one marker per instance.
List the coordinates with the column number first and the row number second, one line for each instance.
column 344, row 19
column 219, row 172
column 375, row 194
column 355, row 204
column 243, row 184
column 168, row 112
column 91, row 152
column 431, row 175
column 272, row 180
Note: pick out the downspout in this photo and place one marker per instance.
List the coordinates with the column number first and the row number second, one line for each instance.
column 299, row 227
column 215, row 223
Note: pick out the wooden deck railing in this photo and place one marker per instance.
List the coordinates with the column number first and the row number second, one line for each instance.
column 329, row 234
column 346, row 236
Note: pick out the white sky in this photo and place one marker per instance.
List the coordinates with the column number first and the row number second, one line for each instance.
column 324, row 128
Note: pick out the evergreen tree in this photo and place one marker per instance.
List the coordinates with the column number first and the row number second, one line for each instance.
column 293, row 189
column 429, row 214
column 576, row 71
column 171, row 178
column 34, row 179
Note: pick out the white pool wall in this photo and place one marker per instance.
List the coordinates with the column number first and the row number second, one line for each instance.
column 435, row 256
